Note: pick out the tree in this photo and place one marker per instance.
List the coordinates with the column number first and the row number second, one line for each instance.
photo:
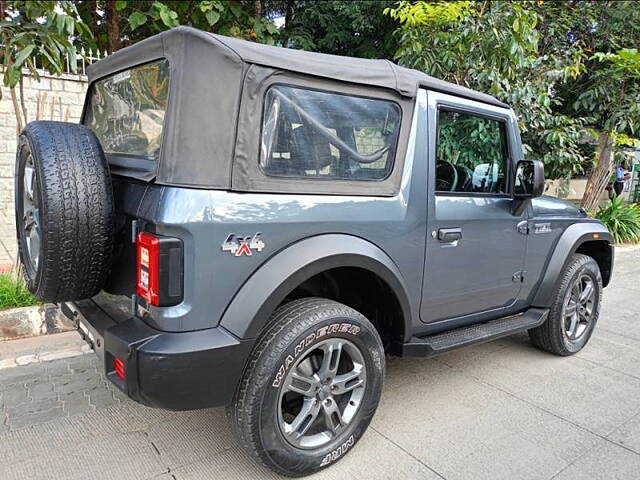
column 596, row 27
column 612, row 100
column 36, row 33
column 121, row 22
column 496, row 47
column 357, row 29
column 113, row 25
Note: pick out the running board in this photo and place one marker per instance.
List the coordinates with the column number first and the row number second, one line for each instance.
column 473, row 334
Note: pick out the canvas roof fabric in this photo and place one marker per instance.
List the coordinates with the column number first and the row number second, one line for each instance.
column 213, row 80
column 380, row 73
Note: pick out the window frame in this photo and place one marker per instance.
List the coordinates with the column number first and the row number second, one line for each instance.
column 393, row 152
column 246, row 176
column 441, row 106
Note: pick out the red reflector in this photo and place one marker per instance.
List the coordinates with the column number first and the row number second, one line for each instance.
column 148, row 267
column 118, row 367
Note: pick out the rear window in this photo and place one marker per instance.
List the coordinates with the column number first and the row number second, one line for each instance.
column 324, row 135
column 126, row 110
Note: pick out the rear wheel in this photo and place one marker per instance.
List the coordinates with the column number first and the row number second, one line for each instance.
column 575, row 309
column 311, row 387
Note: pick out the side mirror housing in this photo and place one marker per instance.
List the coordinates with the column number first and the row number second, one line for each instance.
column 528, row 180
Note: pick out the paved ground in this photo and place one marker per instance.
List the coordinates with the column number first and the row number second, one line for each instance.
column 8, row 246
column 497, row 411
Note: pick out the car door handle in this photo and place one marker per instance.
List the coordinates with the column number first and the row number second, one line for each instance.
column 449, row 235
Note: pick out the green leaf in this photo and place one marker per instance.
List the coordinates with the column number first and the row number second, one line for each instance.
column 121, row 5
column 168, row 16
column 12, row 76
column 212, row 16
column 72, row 54
column 70, row 25
column 137, row 19
column 23, row 54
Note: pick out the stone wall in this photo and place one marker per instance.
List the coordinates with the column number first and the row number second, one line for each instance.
column 50, row 98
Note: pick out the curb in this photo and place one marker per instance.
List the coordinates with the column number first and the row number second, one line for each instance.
column 32, row 321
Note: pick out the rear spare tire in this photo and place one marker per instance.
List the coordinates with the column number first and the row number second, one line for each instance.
column 64, row 211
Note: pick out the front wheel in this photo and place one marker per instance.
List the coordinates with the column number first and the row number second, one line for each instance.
column 575, row 308
column 311, row 387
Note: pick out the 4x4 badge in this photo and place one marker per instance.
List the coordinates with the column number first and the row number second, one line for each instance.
column 239, row 245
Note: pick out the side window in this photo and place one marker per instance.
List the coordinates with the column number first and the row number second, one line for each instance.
column 321, row 135
column 471, row 153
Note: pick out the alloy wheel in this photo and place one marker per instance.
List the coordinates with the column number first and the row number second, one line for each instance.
column 322, row 393
column 578, row 307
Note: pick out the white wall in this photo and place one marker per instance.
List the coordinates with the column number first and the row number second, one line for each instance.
column 51, row 98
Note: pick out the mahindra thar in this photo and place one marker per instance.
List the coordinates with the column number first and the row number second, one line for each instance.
column 234, row 224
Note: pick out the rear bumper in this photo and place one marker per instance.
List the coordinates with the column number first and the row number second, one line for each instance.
column 176, row 371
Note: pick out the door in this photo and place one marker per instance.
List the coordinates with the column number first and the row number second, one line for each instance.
column 475, row 244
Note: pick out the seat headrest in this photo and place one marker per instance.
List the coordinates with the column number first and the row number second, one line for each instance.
column 309, row 150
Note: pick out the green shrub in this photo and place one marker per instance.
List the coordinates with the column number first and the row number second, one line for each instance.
column 14, row 293
column 622, row 219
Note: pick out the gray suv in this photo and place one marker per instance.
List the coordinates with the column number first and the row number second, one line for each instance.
column 257, row 227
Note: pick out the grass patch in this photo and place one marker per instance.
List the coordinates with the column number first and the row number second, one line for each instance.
column 14, row 293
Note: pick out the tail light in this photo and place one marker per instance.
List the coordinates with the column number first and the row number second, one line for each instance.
column 159, row 269
column 118, row 368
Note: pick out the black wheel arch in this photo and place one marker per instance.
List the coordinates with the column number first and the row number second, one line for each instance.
column 280, row 277
column 589, row 238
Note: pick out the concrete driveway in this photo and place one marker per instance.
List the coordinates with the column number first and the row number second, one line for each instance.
column 499, row 410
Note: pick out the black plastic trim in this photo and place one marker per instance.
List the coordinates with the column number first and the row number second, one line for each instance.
column 250, row 309
column 569, row 242
column 176, row 371
column 472, row 334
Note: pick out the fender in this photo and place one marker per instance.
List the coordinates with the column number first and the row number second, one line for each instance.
column 570, row 240
column 268, row 286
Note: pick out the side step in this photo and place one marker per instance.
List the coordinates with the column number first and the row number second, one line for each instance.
column 473, row 334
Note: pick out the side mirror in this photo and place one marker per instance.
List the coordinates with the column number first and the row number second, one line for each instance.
column 529, row 179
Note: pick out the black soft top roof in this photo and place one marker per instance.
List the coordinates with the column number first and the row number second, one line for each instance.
column 380, row 73
column 213, row 115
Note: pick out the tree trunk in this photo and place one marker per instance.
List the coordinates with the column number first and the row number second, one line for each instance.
column 22, row 104
column 288, row 19
column 16, row 109
column 257, row 8
column 600, row 174
column 113, row 25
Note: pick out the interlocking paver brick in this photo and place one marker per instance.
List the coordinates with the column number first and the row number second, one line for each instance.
column 102, row 398
column 37, row 418
column 41, row 389
column 31, row 406
column 14, row 396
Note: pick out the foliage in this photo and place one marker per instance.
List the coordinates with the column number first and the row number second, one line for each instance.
column 14, row 293
column 356, row 29
column 39, row 31
column 612, row 95
column 496, row 47
column 137, row 20
column 622, row 219
column 422, row 13
column 468, row 141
